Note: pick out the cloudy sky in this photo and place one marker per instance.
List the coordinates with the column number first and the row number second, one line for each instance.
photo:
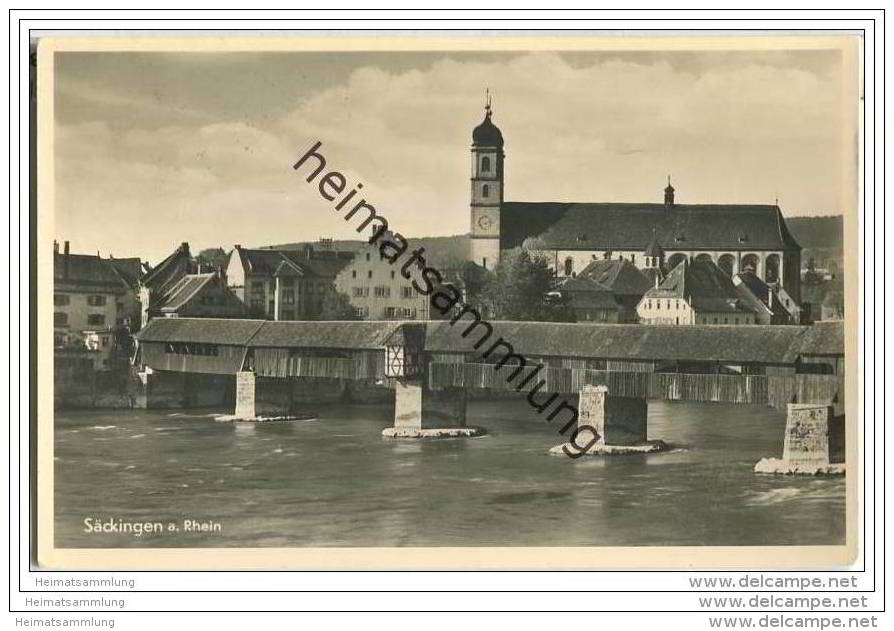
column 157, row 148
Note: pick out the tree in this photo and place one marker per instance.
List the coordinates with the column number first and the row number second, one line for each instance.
column 474, row 279
column 811, row 276
column 521, row 289
column 212, row 258
column 337, row 306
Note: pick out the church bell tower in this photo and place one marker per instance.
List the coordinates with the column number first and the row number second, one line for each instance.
column 487, row 191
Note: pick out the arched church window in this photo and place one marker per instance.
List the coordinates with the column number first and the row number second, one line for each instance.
column 485, row 190
column 485, row 164
column 569, row 266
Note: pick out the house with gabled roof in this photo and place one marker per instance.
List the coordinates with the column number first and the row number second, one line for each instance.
column 282, row 284
column 156, row 283
column 94, row 301
column 591, row 301
column 91, row 292
column 696, row 292
column 201, row 296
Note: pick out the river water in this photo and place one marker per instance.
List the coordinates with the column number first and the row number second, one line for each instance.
column 337, row 482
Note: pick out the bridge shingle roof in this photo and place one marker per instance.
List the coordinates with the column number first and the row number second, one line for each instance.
column 313, row 334
column 733, row 344
column 736, row 344
column 224, row 331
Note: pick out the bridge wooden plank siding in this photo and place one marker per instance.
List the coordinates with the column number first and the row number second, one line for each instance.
column 765, row 365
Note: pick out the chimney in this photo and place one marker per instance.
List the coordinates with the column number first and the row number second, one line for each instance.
column 65, row 260
column 66, row 248
column 55, row 247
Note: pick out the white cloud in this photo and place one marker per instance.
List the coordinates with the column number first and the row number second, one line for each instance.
column 605, row 132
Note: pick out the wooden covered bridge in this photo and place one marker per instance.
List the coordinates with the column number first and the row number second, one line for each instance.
column 432, row 364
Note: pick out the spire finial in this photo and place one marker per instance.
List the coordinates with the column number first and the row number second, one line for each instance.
column 487, row 107
column 668, row 179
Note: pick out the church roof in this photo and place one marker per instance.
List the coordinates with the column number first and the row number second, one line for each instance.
column 628, row 226
column 487, row 134
column 654, row 248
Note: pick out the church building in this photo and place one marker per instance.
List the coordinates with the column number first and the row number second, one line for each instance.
column 652, row 236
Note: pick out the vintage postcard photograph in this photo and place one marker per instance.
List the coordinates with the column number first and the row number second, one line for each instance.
column 565, row 302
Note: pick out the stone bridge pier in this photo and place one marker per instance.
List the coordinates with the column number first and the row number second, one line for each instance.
column 260, row 398
column 813, row 443
column 423, row 412
column 609, row 424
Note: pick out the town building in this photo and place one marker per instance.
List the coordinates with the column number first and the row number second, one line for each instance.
column 696, row 292
column 736, row 237
column 591, row 302
column 378, row 291
column 92, row 295
column 201, row 296
column 771, row 303
column 157, row 283
column 285, row 284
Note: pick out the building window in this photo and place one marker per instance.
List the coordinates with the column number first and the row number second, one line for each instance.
column 569, row 266
column 191, row 348
column 484, row 262
column 485, row 165
column 383, row 291
column 485, row 190
column 392, row 273
column 406, row 292
column 353, row 273
column 60, row 300
column 96, row 300
column 367, row 256
column 369, row 274
column 288, row 296
column 96, row 319
column 361, row 312
column 633, row 258
column 390, row 313
column 60, row 319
